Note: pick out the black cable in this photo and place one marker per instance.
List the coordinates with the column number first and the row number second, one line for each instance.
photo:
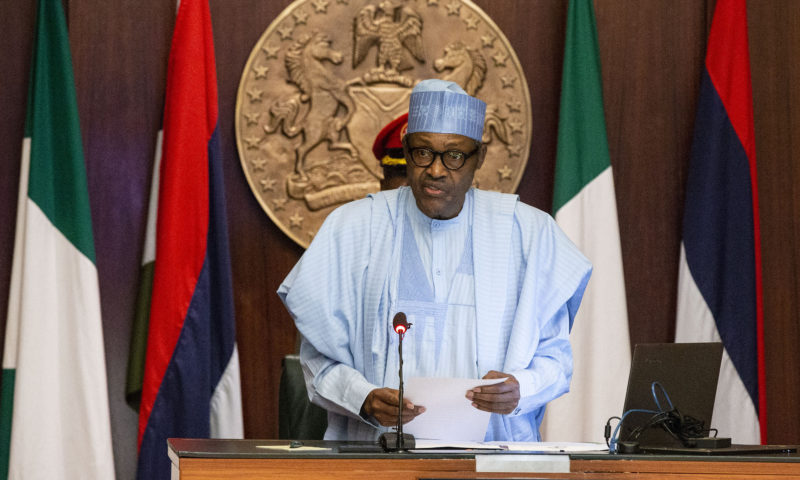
column 683, row 428
column 607, row 431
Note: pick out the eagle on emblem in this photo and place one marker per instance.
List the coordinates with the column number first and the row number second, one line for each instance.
column 394, row 28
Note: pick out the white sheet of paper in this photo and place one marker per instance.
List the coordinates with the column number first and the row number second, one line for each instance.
column 422, row 445
column 289, row 448
column 551, row 447
column 449, row 415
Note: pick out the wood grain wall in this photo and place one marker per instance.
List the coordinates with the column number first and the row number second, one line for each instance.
column 651, row 52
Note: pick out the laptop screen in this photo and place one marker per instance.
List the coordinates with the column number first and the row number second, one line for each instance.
column 687, row 373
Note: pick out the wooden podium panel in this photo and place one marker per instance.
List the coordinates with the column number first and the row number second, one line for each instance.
column 199, row 459
column 318, row 468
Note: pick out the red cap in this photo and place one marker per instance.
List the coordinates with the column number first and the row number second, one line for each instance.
column 388, row 146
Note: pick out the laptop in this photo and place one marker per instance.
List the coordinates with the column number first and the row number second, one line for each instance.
column 687, row 374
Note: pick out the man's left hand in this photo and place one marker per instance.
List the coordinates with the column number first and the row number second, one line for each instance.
column 498, row 398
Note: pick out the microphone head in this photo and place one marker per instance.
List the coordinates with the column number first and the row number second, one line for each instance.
column 399, row 323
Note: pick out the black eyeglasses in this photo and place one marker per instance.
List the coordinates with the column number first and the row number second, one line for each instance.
column 424, row 157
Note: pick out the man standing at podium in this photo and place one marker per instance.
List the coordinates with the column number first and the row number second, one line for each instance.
column 490, row 285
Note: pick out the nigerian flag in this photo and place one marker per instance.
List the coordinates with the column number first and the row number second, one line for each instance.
column 54, row 421
column 585, row 207
column 141, row 319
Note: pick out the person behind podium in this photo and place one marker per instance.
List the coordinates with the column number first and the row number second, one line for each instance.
column 388, row 150
column 490, row 285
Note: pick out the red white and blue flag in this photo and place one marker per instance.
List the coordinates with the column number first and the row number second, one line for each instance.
column 191, row 382
column 719, row 287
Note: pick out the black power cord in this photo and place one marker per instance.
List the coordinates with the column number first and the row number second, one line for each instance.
column 684, row 428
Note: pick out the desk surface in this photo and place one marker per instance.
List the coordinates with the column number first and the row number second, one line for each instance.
column 198, row 459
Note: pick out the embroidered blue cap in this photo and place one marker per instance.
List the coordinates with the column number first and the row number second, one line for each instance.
column 439, row 106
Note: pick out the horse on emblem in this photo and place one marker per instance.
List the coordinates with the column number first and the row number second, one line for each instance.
column 468, row 69
column 313, row 110
column 467, row 64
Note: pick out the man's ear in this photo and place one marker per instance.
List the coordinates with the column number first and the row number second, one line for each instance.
column 481, row 156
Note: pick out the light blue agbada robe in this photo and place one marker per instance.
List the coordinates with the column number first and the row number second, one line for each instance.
column 529, row 280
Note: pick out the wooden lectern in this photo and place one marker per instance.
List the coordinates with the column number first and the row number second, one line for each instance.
column 208, row 459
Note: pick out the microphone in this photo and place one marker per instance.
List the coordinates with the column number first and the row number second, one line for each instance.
column 400, row 325
column 399, row 441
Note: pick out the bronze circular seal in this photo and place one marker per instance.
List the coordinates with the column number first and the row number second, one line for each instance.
column 327, row 75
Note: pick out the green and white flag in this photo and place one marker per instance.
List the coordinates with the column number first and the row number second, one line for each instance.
column 141, row 320
column 586, row 209
column 55, row 421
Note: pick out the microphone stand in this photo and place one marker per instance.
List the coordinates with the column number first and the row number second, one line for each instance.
column 398, row 441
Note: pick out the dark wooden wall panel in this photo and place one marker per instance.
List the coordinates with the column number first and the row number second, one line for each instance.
column 774, row 46
column 651, row 53
column 16, row 41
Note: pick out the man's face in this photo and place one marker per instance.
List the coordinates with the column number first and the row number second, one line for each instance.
column 439, row 191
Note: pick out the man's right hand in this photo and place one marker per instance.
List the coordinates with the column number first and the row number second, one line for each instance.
column 382, row 405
